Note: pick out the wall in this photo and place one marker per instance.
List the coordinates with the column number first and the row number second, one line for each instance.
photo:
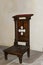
column 37, row 26
column 8, row 8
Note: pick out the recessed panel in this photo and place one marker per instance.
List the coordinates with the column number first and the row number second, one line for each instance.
column 23, row 33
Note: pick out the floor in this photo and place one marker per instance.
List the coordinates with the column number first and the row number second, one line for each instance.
column 13, row 60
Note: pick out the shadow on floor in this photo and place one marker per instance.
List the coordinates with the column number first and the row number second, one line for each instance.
column 34, row 55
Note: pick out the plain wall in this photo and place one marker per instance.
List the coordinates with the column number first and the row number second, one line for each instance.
column 9, row 8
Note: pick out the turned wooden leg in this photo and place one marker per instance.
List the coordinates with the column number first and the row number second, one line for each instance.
column 5, row 55
column 20, row 59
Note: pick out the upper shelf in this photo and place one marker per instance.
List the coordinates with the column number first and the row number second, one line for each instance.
column 22, row 16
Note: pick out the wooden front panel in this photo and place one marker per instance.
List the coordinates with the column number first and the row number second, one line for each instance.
column 22, row 30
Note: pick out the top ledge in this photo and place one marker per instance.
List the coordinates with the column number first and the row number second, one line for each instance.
column 23, row 15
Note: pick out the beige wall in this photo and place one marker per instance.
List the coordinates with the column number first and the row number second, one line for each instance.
column 37, row 26
column 8, row 8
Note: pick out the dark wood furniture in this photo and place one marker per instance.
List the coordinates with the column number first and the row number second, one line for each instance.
column 22, row 34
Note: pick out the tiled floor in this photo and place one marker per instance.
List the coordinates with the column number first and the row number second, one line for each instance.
column 13, row 60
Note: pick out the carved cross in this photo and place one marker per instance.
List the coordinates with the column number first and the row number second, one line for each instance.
column 21, row 30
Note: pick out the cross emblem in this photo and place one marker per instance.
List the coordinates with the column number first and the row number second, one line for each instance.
column 21, row 30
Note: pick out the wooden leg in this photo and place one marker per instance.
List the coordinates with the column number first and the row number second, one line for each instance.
column 5, row 55
column 28, row 52
column 20, row 59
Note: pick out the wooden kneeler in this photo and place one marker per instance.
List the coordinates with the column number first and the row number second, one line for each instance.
column 22, row 34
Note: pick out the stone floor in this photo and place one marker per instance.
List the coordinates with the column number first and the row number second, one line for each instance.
column 13, row 60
